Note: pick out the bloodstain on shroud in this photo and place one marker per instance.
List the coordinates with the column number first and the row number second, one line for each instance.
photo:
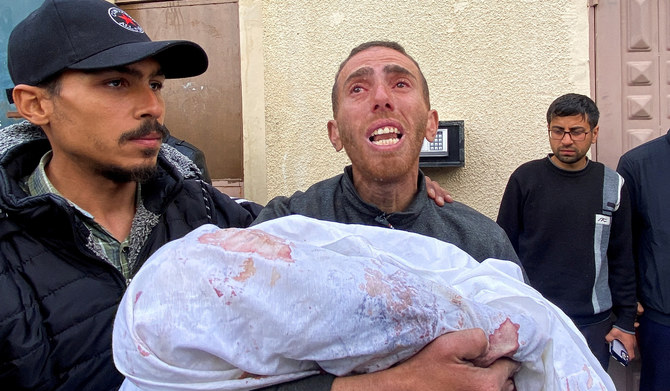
column 247, row 241
column 250, row 241
column 397, row 295
column 248, row 270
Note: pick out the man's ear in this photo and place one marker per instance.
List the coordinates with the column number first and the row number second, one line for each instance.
column 595, row 134
column 33, row 103
column 334, row 135
column 431, row 125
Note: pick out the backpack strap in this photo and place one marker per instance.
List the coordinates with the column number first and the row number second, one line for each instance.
column 612, row 184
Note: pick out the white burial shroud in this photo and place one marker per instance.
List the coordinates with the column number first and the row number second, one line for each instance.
column 238, row 309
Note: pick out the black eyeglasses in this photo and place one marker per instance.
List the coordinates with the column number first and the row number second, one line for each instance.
column 575, row 135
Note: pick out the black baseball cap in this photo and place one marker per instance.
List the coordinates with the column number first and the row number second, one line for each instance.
column 90, row 35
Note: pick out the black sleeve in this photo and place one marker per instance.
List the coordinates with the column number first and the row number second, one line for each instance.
column 510, row 214
column 622, row 266
column 277, row 207
column 225, row 211
column 313, row 383
column 253, row 207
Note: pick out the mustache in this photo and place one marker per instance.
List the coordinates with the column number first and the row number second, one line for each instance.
column 145, row 129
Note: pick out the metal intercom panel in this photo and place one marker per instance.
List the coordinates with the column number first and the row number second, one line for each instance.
column 448, row 148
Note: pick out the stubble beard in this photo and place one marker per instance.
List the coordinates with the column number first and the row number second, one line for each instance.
column 124, row 175
column 140, row 174
column 570, row 159
column 394, row 165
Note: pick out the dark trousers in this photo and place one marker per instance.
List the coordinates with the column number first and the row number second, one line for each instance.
column 654, row 344
column 595, row 336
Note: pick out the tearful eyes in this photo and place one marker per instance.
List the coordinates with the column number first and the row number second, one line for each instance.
column 358, row 89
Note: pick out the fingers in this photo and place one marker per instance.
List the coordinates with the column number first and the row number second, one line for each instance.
column 506, row 368
column 437, row 193
column 443, row 364
column 431, row 192
column 628, row 340
column 509, row 385
column 629, row 343
column 640, row 311
column 465, row 345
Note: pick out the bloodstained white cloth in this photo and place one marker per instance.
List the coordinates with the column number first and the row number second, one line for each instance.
column 238, row 309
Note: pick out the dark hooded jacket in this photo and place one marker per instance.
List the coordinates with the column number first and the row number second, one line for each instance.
column 58, row 296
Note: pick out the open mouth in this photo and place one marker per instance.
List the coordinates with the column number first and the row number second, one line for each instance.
column 385, row 136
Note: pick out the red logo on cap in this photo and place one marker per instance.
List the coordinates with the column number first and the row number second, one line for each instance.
column 124, row 20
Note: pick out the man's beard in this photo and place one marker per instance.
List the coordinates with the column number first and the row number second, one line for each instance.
column 570, row 159
column 124, row 175
column 135, row 174
column 395, row 164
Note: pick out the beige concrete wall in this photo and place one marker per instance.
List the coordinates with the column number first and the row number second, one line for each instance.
column 253, row 100
column 494, row 64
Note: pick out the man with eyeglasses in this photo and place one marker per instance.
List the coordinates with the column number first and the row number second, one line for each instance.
column 569, row 220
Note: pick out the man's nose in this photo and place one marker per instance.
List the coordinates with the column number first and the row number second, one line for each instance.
column 567, row 138
column 150, row 104
column 382, row 98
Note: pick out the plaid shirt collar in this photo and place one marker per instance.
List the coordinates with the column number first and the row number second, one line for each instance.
column 104, row 243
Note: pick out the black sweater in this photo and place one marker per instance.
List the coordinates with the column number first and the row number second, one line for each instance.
column 575, row 248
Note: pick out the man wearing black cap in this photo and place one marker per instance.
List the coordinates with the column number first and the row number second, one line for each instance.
column 87, row 190
column 88, row 193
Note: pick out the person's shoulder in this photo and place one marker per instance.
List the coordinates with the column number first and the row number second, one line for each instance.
column 19, row 133
column 180, row 162
column 531, row 165
column 602, row 168
column 252, row 207
column 480, row 235
column 313, row 201
column 193, row 193
column 648, row 149
column 193, row 153
column 599, row 167
column 460, row 211
column 318, row 190
column 527, row 172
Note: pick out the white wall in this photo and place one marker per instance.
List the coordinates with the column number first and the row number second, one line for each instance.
column 494, row 64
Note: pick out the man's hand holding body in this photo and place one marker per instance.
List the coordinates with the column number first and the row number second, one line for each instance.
column 443, row 365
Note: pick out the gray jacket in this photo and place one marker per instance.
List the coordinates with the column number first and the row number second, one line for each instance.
column 335, row 199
